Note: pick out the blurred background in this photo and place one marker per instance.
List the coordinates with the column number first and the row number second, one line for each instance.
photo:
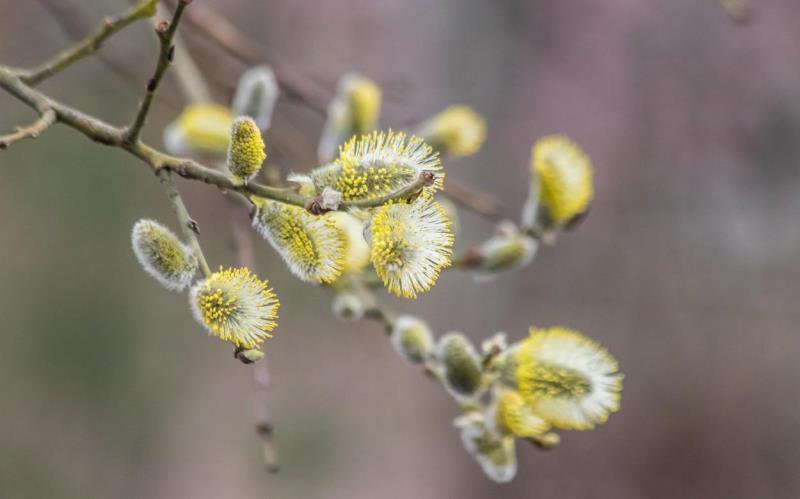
column 688, row 268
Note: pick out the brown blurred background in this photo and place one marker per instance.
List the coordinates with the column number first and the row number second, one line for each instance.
column 688, row 268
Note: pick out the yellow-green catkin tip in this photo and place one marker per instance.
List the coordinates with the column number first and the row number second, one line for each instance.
column 456, row 131
column 246, row 151
column 508, row 250
column 496, row 454
column 348, row 306
column 236, row 306
column 412, row 339
column 514, row 417
column 462, row 368
column 250, row 356
column 567, row 379
column 163, row 255
column 563, row 186
column 202, row 128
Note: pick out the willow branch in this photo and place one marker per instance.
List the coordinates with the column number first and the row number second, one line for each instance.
column 243, row 241
column 166, row 32
column 91, row 43
column 104, row 133
column 474, row 200
column 189, row 227
column 46, row 118
column 230, row 39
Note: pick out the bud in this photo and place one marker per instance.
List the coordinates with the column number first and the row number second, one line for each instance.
column 456, row 131
column 506, row 367
column 462, row 368
column 305, row 185
column 494, row 345
column 256, row 95
column 412, row 339
column 561, row 185
column 546, row 441
column 163, row 255
column 353, row 111
column 348, row 306
column 246, row 150
column 202, row 128
column 249, row 356
column 495, row 454
column 508, row 250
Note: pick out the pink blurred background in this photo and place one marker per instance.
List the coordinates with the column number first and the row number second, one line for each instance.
column 688, row 268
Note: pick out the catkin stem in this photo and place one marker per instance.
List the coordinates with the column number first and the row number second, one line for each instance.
column 188, row 225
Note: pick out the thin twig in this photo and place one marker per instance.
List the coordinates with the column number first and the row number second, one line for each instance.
column 46, row 118
column 104, row 133
column 243, row 241
column 481, row 203
column 91, row 43
column 230, row 39
column 165, row 31
column 188, row 225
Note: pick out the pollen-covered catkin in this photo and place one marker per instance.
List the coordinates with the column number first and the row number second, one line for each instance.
column 246, row 151
column 236, row 306
column 163, row 255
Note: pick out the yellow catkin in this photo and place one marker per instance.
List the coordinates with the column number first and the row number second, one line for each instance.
column 456, row 131
column 246, row 151
column 235, row 306
column 567, row 379
column 564, row 175
column 373, row 165
column 206, row 127
column 313, row 246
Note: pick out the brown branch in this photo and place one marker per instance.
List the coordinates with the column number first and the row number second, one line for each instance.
column 188, row 225
column 243, row 242
column 166, row 32
column 231, row 40
column 481, row 203
column 104, row 133
column 91, row 43
column 46, row 118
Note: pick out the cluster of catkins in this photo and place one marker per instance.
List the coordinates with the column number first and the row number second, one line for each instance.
column 397, row 233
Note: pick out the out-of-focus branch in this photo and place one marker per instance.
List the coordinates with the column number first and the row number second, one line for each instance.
column 165, row 31
column 71, row 19
column 190, row 79
column 472, row 199
column 230, row 39
column 243, row 242
column 91, row 43
column 106, row 134
column 46, row 118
